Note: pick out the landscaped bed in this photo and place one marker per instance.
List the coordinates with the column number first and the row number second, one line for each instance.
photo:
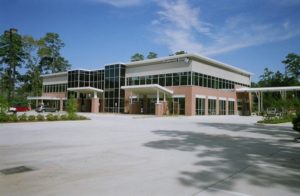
column 12, row 118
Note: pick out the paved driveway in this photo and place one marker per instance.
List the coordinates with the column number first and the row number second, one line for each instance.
column 145, row 155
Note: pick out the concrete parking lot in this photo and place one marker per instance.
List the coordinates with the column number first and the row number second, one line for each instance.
column 147, row 155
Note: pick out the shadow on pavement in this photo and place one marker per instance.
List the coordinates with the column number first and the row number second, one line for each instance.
column 260, row 162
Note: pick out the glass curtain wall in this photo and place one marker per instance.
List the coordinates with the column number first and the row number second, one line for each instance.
column 183, row 79
column 55, row 88
column 114, row 95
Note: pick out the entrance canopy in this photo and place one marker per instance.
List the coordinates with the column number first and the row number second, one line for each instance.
column 148, row 89
column 46, row 98
column 85, row 89
column 269, row 89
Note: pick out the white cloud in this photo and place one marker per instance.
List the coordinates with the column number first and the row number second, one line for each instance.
column 121, row 3
column 179, row 26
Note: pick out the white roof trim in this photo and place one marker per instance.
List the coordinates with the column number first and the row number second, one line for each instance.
column 149, row 86
column 201, row 96
column 269, row 89
column 178, row 96
column 46, row 98
column 195, row 56
column 54, row 74
column 88, row 88
column 54, row 82
column 212, row 97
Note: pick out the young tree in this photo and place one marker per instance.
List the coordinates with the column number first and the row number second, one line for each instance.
column 152, row 55
column 137, row 57
column 72, row 107
column 11, row 55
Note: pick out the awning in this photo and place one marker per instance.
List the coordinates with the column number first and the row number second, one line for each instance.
column 85, row 90
column 269, row 89
column 148, row 89
column 46, row 98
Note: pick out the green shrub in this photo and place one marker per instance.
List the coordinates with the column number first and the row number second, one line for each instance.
column 13, row 118
column 82, row 118
column 31, row 118
column 56, row 117
column 64, row 117
column 72, row 117
column 49, row 117
column 22, row 117
column 40, row 117
column 296, row 122
column 277, row 119
column 4, row 117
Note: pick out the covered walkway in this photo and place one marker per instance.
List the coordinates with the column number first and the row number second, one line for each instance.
column 259, row 92
column 146, row 91
column 90, row 104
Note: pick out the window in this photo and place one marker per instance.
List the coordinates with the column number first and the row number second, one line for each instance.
column 211, row 107
column 181, row 103
column 231, row 107
column 169, row 80
column 200, row 106
column 162, row 80
column 175, row 79
column 222, row 107
column 183, row 78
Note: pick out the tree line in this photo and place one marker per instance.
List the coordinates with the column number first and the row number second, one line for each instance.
column 289, row 77
column 151, row 55
column 23, row 59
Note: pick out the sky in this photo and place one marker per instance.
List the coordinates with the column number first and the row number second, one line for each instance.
column 249, row 34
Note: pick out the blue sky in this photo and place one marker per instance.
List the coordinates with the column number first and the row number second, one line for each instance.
column 250, row 34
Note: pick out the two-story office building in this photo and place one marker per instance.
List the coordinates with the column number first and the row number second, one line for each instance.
column 185, row 84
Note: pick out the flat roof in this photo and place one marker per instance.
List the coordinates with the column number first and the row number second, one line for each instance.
column 54, row 74
column 192, row 56
column 147, row 89
column 196, row 57
column 87, row 89
column 46, row 98
column 269, row 89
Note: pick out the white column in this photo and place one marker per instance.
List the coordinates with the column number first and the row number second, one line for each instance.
column 131, row 98
column 95, row 94
column 157, row 96
column 258, row 101
column 164, row 97
column 261, row 102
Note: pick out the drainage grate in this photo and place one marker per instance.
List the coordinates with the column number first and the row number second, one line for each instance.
column 16, row 170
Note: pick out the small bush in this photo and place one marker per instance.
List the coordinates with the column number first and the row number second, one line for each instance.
column 13, row 118
column 277, row 119
column 56, row 117
column 40, row 117
column 72, row 117
column 64, row 117
column 22, row 117
column 4, row 117
column 296, row 122
column 31, row 118
column 82, row 118
column 49, row 117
